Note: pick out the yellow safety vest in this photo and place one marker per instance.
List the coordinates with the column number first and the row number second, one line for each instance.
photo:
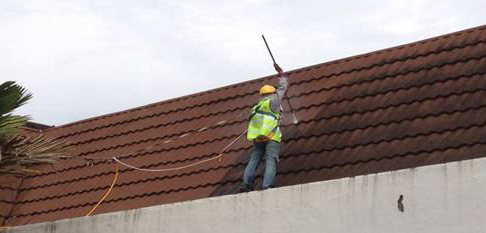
column 264, row 123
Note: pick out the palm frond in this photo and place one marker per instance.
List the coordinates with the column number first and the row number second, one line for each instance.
column 10, row 125
column 19, row 153
column 12, row 96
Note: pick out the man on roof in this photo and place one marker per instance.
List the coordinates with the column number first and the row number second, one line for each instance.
column 264, row 132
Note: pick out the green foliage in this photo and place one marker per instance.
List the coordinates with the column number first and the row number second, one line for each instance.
column 12, row 96
column 19, row 152
column 11, row 126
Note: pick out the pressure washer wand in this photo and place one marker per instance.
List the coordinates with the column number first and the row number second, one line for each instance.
column 268, row 48
column 275, row 64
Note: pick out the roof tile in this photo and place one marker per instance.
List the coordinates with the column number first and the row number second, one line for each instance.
column 412, row 105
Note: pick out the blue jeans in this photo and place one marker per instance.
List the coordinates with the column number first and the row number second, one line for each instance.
column 271, row 150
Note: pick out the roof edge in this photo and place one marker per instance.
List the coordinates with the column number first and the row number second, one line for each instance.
column 346, row 59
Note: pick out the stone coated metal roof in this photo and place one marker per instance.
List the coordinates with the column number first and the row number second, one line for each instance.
column 413, row 105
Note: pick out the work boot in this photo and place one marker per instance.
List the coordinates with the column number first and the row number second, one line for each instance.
column 244, row 189
column 269, row 187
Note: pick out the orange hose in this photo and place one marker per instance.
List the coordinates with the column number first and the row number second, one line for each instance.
column 107, row 192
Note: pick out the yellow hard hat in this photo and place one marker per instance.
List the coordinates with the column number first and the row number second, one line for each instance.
column 267, row 89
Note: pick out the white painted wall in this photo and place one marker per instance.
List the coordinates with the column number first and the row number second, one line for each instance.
column 441, row 198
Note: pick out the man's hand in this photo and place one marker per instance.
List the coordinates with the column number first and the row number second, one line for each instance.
column 278, row 69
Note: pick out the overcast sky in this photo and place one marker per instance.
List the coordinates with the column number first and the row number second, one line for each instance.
column 85, row 58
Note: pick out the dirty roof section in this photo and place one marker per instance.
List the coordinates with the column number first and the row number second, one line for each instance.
column 412, row 105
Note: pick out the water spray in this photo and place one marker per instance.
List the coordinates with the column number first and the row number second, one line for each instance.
column 275, row 64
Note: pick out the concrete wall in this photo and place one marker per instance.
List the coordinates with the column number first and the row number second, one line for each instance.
column 441, row 198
